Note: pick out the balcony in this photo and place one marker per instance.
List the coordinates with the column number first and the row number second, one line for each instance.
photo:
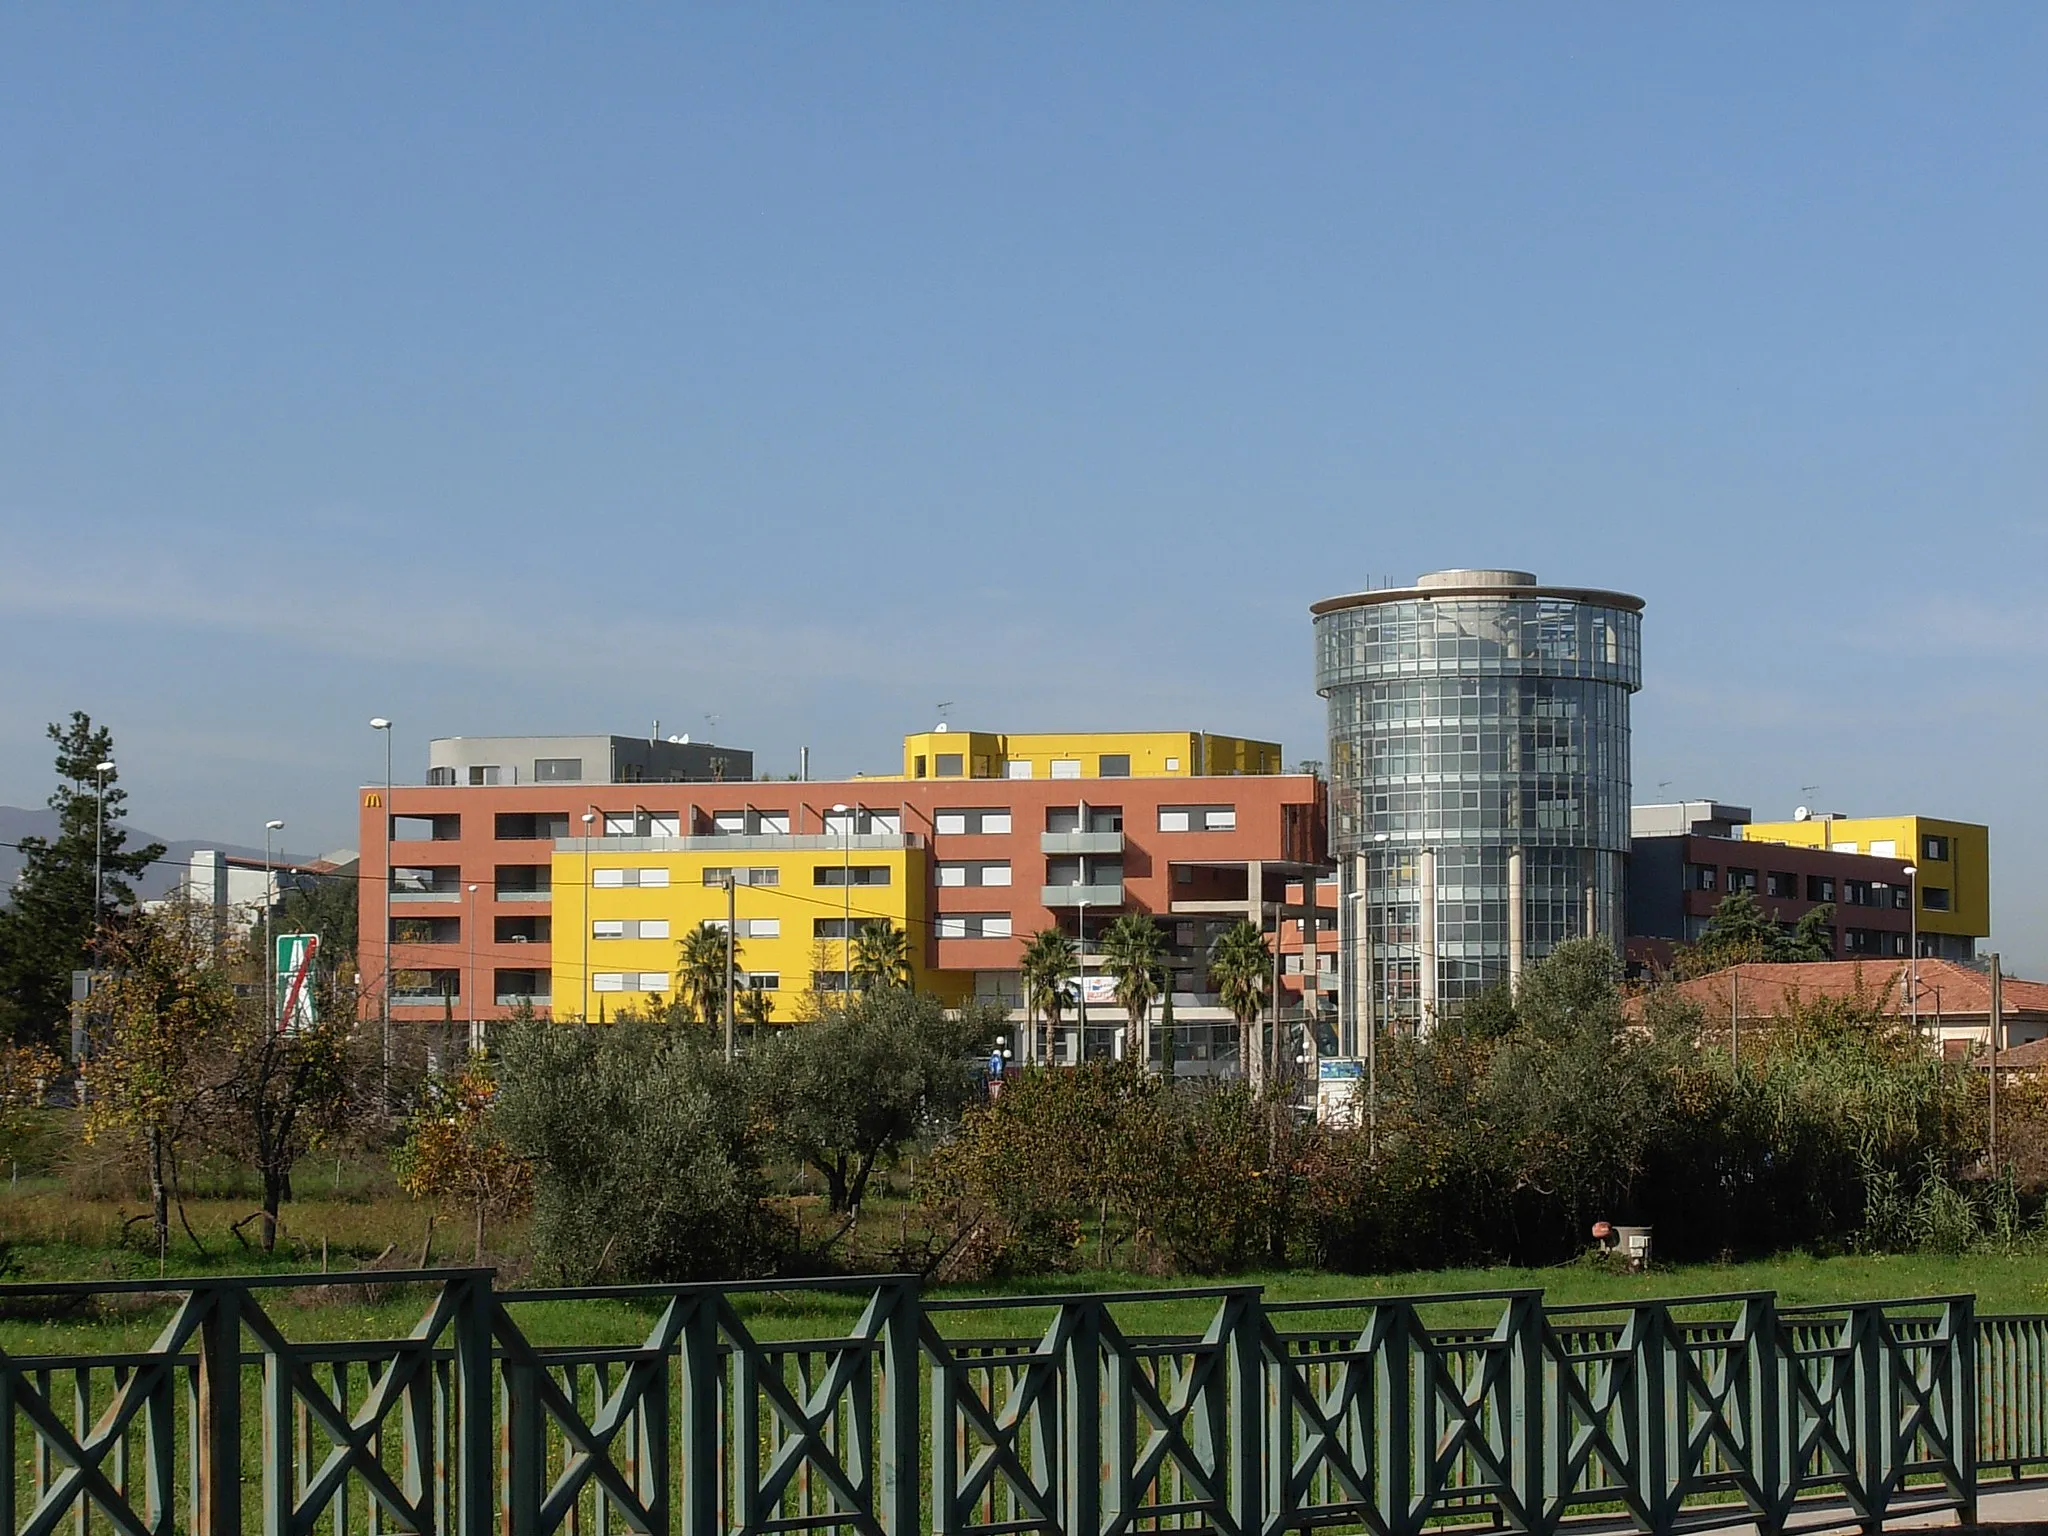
column 504, row 893
column 1110, row 843
column 1057, row 896
column 747, row 842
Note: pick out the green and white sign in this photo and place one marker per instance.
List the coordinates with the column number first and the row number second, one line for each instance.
column 295, row 955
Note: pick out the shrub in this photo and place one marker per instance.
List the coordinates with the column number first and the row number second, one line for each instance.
column 647, row 1154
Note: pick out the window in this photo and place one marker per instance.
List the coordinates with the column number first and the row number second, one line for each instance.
column 1020, row 768
column 1902, row 897
column 557, row 770
column 426, row 930
column 760, row 927
column 1934, row 849
column 607, row 928
column 522, row 930
column 440, row 776
column 1701, row 877
column 653, row 981
column 764, row 981
column 606, row 879
column 949, row 765
column 1113, row 765
column 974, row 872
column 629, row 928
column 1742, row 880
column 718, row 874
column 970, row 823
column 531, row 826
column 524, row 880
column 832, row 927
column 1066, row 767
column 1105, row 818
column 652, row 928
column 483, row 773
column 1884, row 848
column 1857, row 893
column 1198, row 818
column 1820, row 888
column 1778, row 883
column 607, row 981
column 974, row 925
column 639, row 823
column 629, row 981
column 917, row 766
column 1173, row 765
column 856, row 874
column 750, row 823
column 1934, row 898
column 1221, row 819
column 1173, row 818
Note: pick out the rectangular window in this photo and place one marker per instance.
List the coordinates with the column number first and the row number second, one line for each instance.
column 607, row 928
column 995, row 873
column 557, row 770
column 1820, row 888
column 1173, row 818
column 1066, row 767
column 1742, row 880
column 1843, row 848
column 974, row 925
column 718, row 874
column 652, row 928
column 603, row 878
column 974, row 872
column 483, row 773
column 1778, row 883
column 1934, row 849
column 1020, row 768
column 1902, row 897
column 857, row 874
column 653, row 877
column 440, row 776
column 531, row 826
column 953, row 874
column 1884, row 848
column 653, row 981
column 830, row 927
column 950, row 823
column 764, row 981
column 970, row 823
column 1934, row 898
column 1113, row 765
column 761, row 927
column 949, row 765
column 952, row 926
column 607, row 981
column 1221, row 819
column 1702, row 877
column 917, row 766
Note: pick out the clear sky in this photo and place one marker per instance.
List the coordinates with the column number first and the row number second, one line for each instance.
column 529, row 369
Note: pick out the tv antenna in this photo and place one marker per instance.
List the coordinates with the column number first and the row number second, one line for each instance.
column 943, row 706
column 712, row 722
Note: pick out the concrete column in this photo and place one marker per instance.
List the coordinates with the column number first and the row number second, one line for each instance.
column 1517, row 939
column 1425, row 933
column 1254, row 892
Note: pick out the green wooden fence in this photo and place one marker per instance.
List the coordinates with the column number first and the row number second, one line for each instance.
column 1076, row 1415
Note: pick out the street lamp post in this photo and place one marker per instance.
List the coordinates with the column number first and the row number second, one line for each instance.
column 99, row 840
column 269, row 937
column 379, row 723
column 584, row 988
column 1913, row 945
column 1081, row 976
column 476, row 1039
column 845, row 813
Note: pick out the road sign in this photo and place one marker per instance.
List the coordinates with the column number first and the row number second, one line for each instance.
column 295, row 954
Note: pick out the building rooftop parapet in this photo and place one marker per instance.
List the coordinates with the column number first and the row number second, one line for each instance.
column 748, row 842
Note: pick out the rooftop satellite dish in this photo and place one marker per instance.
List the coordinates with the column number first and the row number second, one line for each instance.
column 1802, row 814
column 940, row 727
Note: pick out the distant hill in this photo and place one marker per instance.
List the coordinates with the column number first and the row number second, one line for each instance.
column 17, row 823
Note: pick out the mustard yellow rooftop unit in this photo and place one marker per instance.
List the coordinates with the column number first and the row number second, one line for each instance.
column 949, row 754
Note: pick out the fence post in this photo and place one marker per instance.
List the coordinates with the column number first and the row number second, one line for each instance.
column 1960, row 1317
column 1247, row 1411
column 899, row 1429
column 701, row 1448
column 219, row 1491
column 1394, row 1430
column 1083, row 1419
column 526, row 1451
column 1528, row 1450
column 1770, row 1441
column 475, row 1304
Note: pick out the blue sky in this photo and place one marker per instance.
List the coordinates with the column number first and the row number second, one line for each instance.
column 535, row 368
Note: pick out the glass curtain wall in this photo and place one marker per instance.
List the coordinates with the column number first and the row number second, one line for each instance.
column 1479, row 781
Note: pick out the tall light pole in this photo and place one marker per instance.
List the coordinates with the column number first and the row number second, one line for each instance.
column 99, row 841
column 845, row 812
column 270, row 828
column 584, row 988
column 476, row 1039
column 1081, row 975
column 379, row 723
column 1913, row 945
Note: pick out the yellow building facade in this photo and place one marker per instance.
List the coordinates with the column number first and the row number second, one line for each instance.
column 1953, row 860
column 623, row 906
column 947, row 754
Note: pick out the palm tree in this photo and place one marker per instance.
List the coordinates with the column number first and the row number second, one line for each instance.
column 700, row 972
column 754, row 1007
column 881, row 956
column 1134, row 952
column 1048, row 960
column 1240, row 964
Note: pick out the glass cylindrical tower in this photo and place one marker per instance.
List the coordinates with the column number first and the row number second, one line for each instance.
column 1479, row 782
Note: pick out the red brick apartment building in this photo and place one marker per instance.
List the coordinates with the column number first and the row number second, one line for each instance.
column 470, row 917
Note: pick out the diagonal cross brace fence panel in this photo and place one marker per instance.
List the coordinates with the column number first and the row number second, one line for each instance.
column 731, row 1410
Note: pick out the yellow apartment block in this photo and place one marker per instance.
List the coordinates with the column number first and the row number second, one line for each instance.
column 944, row 754
column 624, row 905
column 1953, row 860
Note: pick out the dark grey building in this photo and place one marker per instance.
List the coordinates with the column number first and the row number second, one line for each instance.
column 583, row 760
column 1479, row 781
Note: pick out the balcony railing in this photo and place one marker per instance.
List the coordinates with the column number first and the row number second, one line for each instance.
column 524, row 895
column 514, row 999
column 416, row 893
column 1082, row 895
column 1081, row 842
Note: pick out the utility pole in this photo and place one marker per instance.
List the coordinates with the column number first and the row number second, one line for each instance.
column 380, row 723
column 1997, row 1023
column 1734, row 1021
column 731, row 904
